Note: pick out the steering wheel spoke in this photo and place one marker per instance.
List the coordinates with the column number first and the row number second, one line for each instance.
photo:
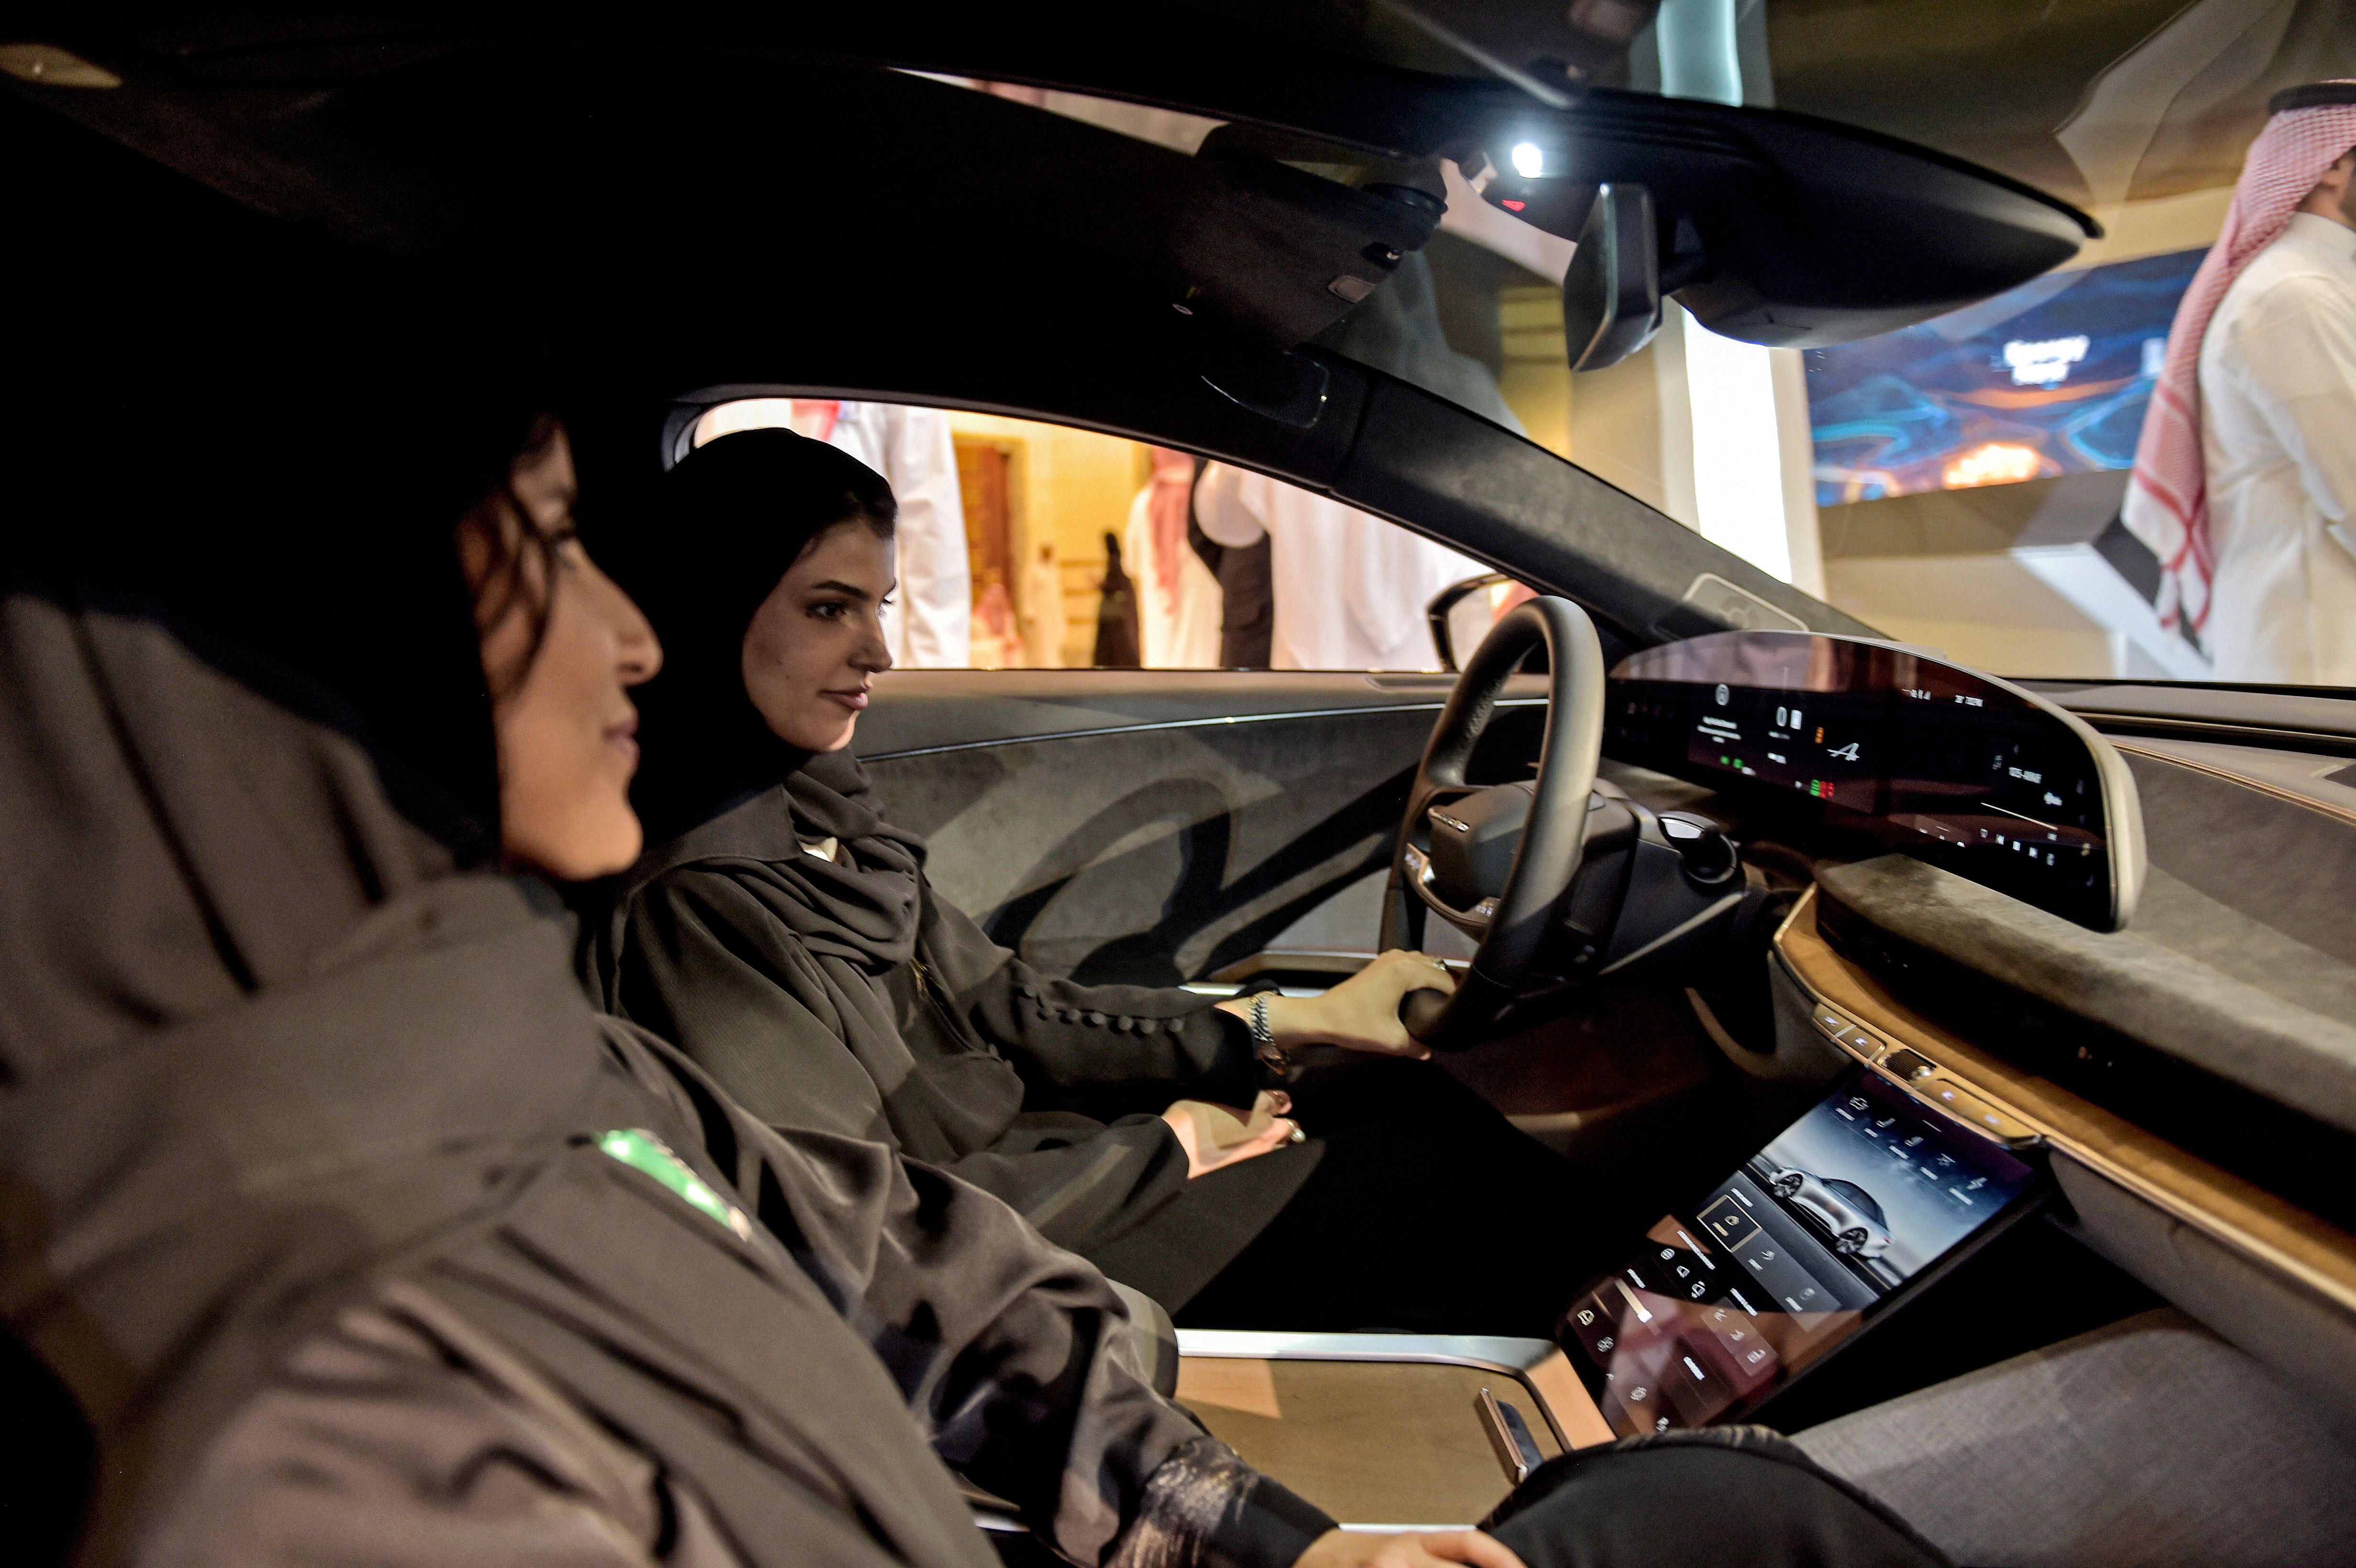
column 1416, row 870
column 1516, row 858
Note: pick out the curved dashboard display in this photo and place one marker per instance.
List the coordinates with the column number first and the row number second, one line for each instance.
column 1960, row 769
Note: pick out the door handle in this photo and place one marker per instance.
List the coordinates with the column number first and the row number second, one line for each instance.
column 1509, row 1435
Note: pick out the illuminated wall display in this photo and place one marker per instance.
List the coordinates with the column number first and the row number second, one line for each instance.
column 2047, row 379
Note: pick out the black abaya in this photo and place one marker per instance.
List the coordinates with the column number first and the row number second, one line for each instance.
column 843, row 995
column 849, row 996
column 1116, row 640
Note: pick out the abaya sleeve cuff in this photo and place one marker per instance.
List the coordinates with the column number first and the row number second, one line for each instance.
column 1204, row 1508
column 1235, row 1074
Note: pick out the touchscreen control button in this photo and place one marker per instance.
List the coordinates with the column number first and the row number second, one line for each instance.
column 1639, row 1318
column 1681, row 1271
column 1597, row 1328
column 1693, row 1393
column 1864, row 1042
column 1973, row 1111
column 1641, row 1380
column 1793, row 1287
column 1729, row 1222
column 1737, row 1347
column 1642, row 1403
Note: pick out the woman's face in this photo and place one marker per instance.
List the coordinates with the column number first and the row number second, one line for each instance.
column 816, row 643
column 566, row 728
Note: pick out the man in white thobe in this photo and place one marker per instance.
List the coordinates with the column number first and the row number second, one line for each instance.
column 2245, row 475
column 1178, row 600
column 928, row 623
column 2278, row 437
column 1350, row 589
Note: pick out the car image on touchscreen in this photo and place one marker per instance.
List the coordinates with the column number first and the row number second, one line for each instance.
column 1787, row 1258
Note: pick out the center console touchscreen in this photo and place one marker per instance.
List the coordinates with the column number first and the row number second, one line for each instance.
column 1788, row 1257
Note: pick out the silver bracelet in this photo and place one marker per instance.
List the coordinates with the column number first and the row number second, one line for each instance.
column 1264, row 1044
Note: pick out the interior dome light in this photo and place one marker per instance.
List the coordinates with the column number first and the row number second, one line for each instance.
column 1529, row 162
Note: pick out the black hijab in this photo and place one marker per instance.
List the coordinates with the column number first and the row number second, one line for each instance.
column 731, row 519
column 246, row 758
column 258, row 488
column 719, row 788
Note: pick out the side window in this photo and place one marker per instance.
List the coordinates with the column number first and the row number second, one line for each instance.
column 1024, row 545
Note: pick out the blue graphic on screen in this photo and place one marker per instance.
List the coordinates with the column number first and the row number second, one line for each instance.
column 2049, row 379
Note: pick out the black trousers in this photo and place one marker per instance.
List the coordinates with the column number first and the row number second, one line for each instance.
column 1413, row 1207
column 1736, row 1497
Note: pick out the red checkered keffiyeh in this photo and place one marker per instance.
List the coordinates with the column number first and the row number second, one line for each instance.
column 2168, row 499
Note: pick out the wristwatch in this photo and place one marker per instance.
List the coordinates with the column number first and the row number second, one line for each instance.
column 1264, row 1047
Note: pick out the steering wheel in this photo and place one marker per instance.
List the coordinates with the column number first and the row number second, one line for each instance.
column 1543, row 824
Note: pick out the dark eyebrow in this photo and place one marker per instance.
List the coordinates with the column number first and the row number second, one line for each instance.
column 856, row 592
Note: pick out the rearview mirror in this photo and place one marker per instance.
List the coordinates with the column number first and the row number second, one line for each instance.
column 1461, row 614
column 1611, row 295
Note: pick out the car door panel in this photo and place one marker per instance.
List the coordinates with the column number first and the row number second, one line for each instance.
column 1152, row 826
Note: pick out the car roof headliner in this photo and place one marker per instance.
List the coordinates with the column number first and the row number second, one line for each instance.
column 682, row 207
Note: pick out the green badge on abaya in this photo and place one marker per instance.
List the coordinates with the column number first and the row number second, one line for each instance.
column 644, row 1152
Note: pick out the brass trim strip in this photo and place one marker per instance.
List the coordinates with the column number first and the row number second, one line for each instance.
column 2247, row 1219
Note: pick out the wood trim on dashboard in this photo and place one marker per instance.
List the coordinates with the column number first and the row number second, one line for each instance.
column 2275, row 1235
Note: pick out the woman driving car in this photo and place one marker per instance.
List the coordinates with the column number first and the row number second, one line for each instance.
column 782, row 930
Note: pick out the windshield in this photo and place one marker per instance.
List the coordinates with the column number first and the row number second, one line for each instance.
column 1969, row 473
column 1959, row 482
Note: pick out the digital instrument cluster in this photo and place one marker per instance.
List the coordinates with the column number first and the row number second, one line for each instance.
column 1960, row 769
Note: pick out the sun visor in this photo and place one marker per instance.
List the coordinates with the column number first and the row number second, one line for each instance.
column 1279, row 235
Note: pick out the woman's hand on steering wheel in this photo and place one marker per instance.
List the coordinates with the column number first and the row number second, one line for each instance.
column 1362, row 1013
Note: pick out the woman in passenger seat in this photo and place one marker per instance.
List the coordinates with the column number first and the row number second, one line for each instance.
column 782, row 932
